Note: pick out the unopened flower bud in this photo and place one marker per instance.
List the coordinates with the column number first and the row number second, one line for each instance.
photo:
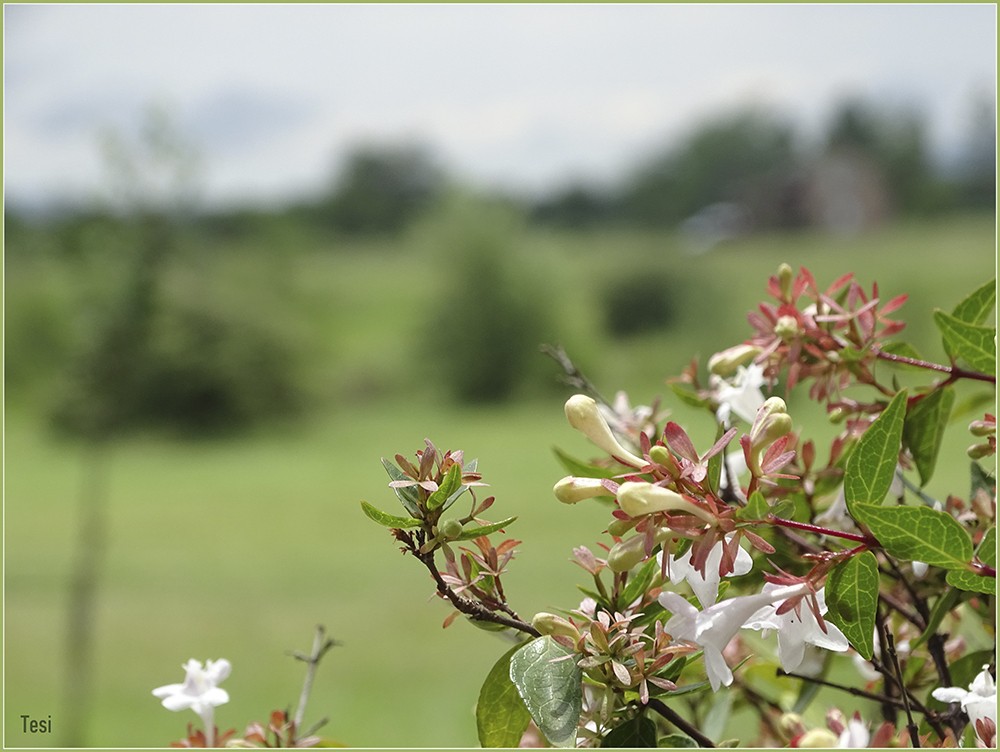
column 837, row 415
column 983, row 427
column 726, row 362
column 584, row 415
column 978, row 451
column 557, row 626
column 450, row 529
column 660, row 455
column 637, row 499
column 618, row 527
column 785, row 276
column 786, row 327
column 570, row 489
column 791, row 725
column 818, row 739
column 772, row 422
column 627, row 553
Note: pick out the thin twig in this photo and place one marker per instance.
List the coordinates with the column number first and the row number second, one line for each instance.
column 321, row 644
column 671, row 715
column 890, row 643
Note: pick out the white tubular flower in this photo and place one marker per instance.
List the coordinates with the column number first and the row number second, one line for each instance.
column 585, row 416
column 855, row 735
column 740, row 395
column 706, row 587
column 796, row 630
column 714, row 627
column 637, row 498
column 979, row 701
column 570, row 489
column 200, row 692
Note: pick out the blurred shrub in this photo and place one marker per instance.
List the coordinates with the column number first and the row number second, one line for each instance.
column 638, row 301
column 181, row 341
column 490, row 314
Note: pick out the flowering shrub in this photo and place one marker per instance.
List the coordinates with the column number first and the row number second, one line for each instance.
column 709, row 551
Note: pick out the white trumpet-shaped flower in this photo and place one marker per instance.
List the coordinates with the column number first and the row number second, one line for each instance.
column 797, row 628
column 740, row 395
column 200, row 691
column 706, row 586
column 714, row 627
column 979, row 701
column 585, row 416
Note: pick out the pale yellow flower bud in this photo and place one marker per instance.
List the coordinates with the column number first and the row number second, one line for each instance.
column 627, row 553
column 726, row 362
column 818, row 739
column 585, row 417
column 557, row 626
column 786, row 327
column 785, row 277
column 637, row 499
column 570, row 489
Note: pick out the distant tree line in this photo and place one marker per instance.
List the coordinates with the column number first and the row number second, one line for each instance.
column 751, row 158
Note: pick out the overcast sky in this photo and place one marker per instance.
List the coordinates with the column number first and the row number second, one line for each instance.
column 517, row 95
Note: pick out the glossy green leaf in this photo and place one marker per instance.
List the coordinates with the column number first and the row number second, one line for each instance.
column 451, row 483
column 852, row 599
column 924, row 427
column 409, row 496
column 918, row 534
column 978, row 305
column 969, row 580
column 872, row 464
column 550, row 688
column 963, row 579
column 501, row 716
column 635, row 733
column 969, row 342
column 470, row 533
column 388, row 520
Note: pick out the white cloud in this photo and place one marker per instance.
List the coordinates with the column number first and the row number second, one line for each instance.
column 504, row 92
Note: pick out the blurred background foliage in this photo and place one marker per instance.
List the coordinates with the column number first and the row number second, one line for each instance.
column 248, row 366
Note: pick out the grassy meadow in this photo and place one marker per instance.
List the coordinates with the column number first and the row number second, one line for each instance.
column 237, row 546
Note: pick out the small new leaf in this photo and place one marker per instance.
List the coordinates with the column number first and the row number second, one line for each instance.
column 388, row 520
column 470, row 533
column 452, row 482
column 408, row 495
column 756, row 508
column 852, row 598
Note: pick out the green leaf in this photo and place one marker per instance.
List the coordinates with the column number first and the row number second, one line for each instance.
column 581, row 469
column 638, row 582
column 972, row 343
column 676, row 741
column 852, row 598
column 501, row 716
column 408, row 495
column 388, row 520
column 981, row 481
column 474, row 532
column 687, row 394
column 756, row 508
column 634, row 733
column 924, row 427
column 550, row 688
column 872, row 463
column 918, row 534
column 986, row 552
column 963, row 579
column 978, row 305
column 452, row 482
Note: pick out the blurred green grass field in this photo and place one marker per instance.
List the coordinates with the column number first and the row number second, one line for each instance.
column 238, row 547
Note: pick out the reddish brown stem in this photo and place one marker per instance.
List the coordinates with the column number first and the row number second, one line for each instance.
column 866, row 540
